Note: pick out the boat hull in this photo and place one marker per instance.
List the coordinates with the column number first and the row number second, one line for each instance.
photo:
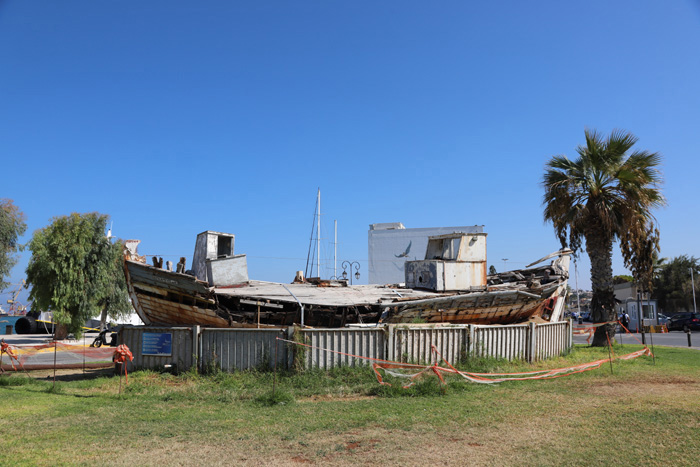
column 163, row 297
column 480, row 308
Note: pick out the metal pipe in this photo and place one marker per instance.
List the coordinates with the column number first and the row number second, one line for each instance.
column 299, row 302
column 651, row 334
column 692, row 281
column 527, row 294
column 578, row 295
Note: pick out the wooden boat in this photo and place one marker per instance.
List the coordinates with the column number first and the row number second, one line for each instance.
column 449, row 286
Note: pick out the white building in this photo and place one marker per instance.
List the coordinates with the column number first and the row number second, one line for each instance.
column 392, row 244
column 629, row 301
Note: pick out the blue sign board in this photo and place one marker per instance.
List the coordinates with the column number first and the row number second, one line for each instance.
column 159, row 344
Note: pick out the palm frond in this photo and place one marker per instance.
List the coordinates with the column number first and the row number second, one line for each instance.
column 609, row 188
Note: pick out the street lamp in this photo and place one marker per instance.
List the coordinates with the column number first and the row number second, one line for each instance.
column 692, row 281
column 348, row 265
column 505, row 260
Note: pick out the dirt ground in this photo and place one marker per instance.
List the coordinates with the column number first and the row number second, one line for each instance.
column 65, row 374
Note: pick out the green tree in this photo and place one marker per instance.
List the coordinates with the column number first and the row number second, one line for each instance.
column 672, row 284
column 492, row 270
column 622, row 279
column 75, row 271
column 12, row 226
column 606, row 194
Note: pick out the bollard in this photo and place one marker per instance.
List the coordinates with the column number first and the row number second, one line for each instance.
column 688, row 333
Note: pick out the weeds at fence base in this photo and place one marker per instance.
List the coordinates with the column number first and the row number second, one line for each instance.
column 299, row 359
column 271, row 398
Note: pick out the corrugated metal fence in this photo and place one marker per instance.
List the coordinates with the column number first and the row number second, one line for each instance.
column 335, row 347
column 240, row 349
column 413, row 344
column 246, row 348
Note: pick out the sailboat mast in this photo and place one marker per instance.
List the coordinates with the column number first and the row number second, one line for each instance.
column 335, row 249
column 318, row 239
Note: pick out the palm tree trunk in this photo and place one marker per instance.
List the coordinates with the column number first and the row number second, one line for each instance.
column 599, row 249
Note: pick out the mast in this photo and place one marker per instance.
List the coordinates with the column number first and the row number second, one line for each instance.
column 335, row 249
column 309, row 270
column 318, row 238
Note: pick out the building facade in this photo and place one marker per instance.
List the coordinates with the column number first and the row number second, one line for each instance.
column 390, row 245
column 632, row 302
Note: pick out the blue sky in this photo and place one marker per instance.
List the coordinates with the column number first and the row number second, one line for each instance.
column 175, row 117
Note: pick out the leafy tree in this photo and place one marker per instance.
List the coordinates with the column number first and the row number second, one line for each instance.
column 492, row 270
column 75, row 271
column 605, row 195
column 622, row 279
column 12, row 226
column 672, row 286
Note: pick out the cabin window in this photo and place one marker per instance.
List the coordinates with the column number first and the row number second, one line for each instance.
column 223, row 248
column 450, row 248
column 444, row 249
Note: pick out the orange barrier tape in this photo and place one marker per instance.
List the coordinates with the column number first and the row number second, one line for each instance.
column 590, row 329
column 484, row 378
column 5, row 348
column 120, row 356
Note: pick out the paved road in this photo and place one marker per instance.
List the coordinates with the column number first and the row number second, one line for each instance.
column 671, row 339
column 38, row 339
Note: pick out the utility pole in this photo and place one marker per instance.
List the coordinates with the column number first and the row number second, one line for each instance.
column 692, row 281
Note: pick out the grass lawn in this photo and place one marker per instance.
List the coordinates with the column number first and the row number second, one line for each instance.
column 642, row 414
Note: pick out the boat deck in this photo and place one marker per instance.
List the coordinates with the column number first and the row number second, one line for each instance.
column 310, row 294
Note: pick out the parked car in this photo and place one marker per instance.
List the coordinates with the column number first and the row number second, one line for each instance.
column 684, row 321
column 663, row 319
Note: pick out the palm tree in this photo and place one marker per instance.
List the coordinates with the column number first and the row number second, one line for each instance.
column 605, row 195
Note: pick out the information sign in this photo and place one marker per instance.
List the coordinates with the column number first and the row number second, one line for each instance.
column 157, row 343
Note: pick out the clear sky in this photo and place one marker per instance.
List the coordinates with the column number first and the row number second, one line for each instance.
column 175, row 117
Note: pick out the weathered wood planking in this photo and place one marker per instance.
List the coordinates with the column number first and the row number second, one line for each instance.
column 148, row 275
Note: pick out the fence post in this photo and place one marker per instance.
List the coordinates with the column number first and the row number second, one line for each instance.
column 390, row 342
column 533, row 343
column 471, row 345
column 291, row 348
column 571, row 335
column 195, row 346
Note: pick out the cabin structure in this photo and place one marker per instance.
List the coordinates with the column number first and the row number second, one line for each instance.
column 214, row 261
column 391, row 245
column 453, row 262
